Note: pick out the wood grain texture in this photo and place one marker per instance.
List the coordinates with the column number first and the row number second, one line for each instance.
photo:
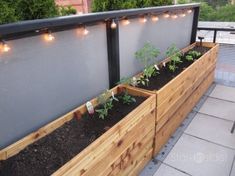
column 176, row 93
column 163, row 135
column 123, row 149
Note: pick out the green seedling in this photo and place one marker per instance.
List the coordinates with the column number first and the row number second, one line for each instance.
column 189, row 58
column 150, row 71
column 102, row 113
column 175, row 57
column 142, row 80
column 104, row 97
column 106, row 102
column 109, row 104
column 127, row 99
column 147, row 56
column 194, row 54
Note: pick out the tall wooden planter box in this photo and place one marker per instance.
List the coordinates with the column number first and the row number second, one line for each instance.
column 164, row 133
column 122, row 150
column 176, row 93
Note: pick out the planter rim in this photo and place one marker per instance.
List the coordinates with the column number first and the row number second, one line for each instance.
column 167, row 59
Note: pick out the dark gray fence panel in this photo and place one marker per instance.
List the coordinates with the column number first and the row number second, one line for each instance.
column 40, row 81
column 162, row 34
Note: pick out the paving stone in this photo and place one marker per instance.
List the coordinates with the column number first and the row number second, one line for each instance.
column 188, row 120
column 211, row 88
column 200, row 103
column 224, row 92
column 200, row 158
column 212, row 129
column 219, row 108
column 151, row 168
column 165, row 170
column 233, row 169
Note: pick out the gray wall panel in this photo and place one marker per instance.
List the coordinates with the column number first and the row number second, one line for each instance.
column 39, row 81
column 162, row 34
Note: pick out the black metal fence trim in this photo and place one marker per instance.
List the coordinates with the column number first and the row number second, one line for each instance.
column 216, row 29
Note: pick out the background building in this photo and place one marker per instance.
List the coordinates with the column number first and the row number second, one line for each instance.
column 82, row 6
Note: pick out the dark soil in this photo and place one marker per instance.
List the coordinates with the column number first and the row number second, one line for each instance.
column 48, row 154
column 165, row 75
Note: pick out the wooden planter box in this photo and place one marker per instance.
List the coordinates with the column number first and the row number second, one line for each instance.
column 123, row 150
column 163, row 135
column 175, row 93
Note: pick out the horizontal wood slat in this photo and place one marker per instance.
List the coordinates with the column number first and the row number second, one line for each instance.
column 163, row 135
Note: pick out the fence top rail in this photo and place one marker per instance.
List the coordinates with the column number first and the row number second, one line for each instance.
column 215, row 28
column 76, row 20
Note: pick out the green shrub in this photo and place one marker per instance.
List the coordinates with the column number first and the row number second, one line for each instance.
column 225, row 13
column 160, row 2
column 207, row 13
column 182, row 1
column 105, row 5
column 214, row 3
column 129, row 4
column 216, row 10
column 7, row 13
column 69, row 10
column 18, row 10
column 108, row 5
column 36, row 9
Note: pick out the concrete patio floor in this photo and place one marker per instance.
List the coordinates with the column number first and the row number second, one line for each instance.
column 203, row 145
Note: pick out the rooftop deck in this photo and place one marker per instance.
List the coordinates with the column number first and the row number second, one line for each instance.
column 204, row 145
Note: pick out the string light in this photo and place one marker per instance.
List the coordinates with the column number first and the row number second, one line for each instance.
column 189, row 11
column 113, row 24
column 143, row 19
column 166, row 15
column 155, row 18
column 49, row 36
column 82, row 30
column 4, row 47
column 174, row 16
column 182, row 14
column 126, row 21
column 85, row 31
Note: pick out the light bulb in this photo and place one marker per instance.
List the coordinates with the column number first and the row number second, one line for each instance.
column 85, row 31
column 143, row 19
column 155, row 18
column 174, row 16
column 166, row 15
column 182, row 15
column 4, row 47
column 189, row 11
column 113, row 25
column 49, row 37
column 126, row 21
